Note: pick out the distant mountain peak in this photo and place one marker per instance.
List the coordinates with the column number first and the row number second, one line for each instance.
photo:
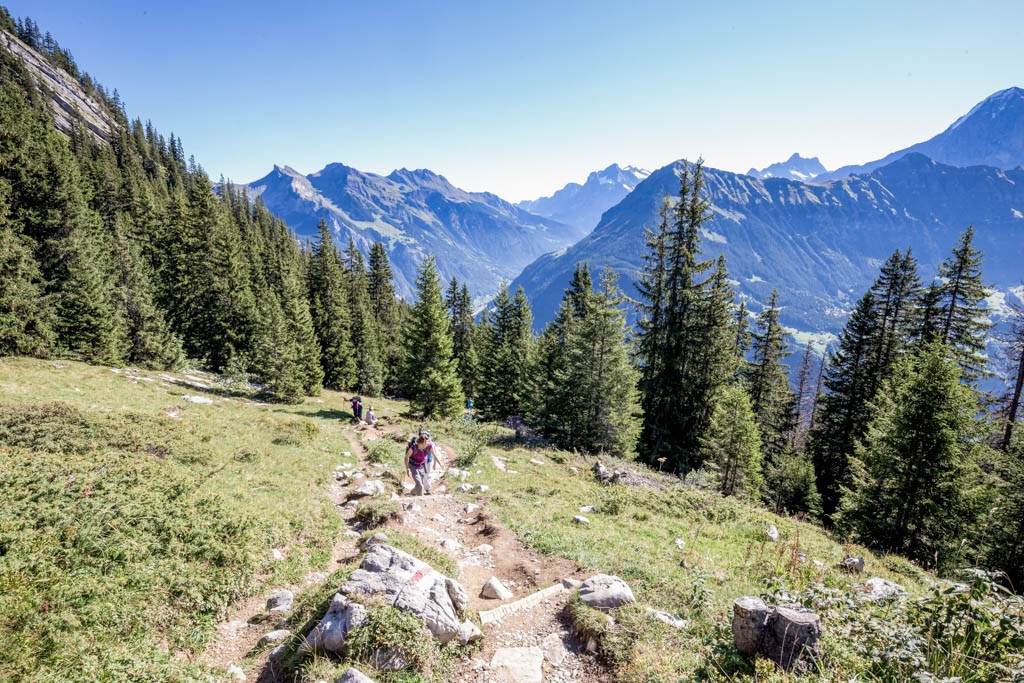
column 582, row 205
column 994, row 105
column 795, row 167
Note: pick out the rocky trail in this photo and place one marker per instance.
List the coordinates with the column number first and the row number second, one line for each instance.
column 527, row 637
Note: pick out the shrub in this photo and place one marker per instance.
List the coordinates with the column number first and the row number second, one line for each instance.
column 382, row 452
column 390, row 633
column 376, row 513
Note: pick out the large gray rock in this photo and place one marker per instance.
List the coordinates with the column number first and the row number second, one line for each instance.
column 879, row 589
column 469, row 632
column 606, row 592
column 369, row 489
column 342, row 616
column 412, row 585
column 354, row 675
column 281, row 601
column 786, row 634
column 275, row 637
column 854, row 565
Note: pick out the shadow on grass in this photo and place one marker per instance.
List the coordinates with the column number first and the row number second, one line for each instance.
column 325, row 414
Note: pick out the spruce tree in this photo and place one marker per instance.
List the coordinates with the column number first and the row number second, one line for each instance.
column 26, row 318
column 329, row 310
column 505, row 359
column 963, row 323
column 365, row 331
column 429, row 374
column 684, row 360
column 768, row 380
column 732, row 444
column 460, row 314
column 914, row 489
column 1015, row 349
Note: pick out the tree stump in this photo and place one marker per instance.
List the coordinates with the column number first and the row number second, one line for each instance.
column 792, row 636
column 749, row 618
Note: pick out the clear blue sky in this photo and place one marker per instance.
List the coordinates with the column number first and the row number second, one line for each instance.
column 520, row 97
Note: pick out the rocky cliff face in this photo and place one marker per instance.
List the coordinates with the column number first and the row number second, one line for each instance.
column 67, row 101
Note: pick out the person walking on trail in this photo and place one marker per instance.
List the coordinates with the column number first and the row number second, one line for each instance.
column 419, row 457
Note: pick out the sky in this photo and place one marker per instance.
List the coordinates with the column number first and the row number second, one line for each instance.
column 520, row 97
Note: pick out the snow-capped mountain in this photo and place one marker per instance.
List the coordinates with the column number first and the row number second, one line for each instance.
column 476, row 236
column 794, row 168
column 581, row 206
column 990, row 134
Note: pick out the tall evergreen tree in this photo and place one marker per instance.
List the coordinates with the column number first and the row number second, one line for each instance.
column 505, row 359
column 429, row 375
column 916, row 474
column 26, row 318
column 683, row 360
column 460, row 313
column 732, row 443
column 365, row 331
column 329, row 310
column 1016, row 378
column 768, row 380
column 963, row 323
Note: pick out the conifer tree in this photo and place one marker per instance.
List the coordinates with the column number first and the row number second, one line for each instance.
column 429, row 375
column 460, row 314
column 914, row 491
column 805, row 397
column 505, row 358
column 895, row 292
column 684, row 361
column 768, row 380
column 277, row 356
column 963, row 322
column 26, row 318
column 301, row 334
column 385, row 311
column 1016, row 378
column 732, row 444
column 742, row 343
column 329, row 310
column 365, row 331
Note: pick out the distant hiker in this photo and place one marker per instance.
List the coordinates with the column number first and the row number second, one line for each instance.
column 357, row 408
column 419, row 457
column 370, row 417
column 469, row 404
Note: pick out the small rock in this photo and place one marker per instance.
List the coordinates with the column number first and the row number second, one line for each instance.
column 281, row 601
column 680, row 543
column 379, row 537
column 484, row 549
column 471, row 508
column 276, row 652
column 277, row 554
column 554, row 649
column 413, row 507
column 346, row 454
column 275, row 637
column 772, row 533
column 438, row 518
column 519, row 664
column 236, row 673
column 369, row 489
column 342, row 616
column 352, row 534
column 498, row 463
column 571, row 583
column 483, row 488
column 670, row 619
column 588, row 508
column 818, row 564
column 580, row 519
column 354, row 675
column 469, row 632
column 534, row 461
column 854, row 565
column 465, row 488
column 197, row 399
column 878, row 589
column 604, row 591
column 451, row 545
column 574, row 470
column 495, row 590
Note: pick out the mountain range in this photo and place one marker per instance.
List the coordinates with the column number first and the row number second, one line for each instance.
column 794, row 168
column 581, row 206
column 476, row 237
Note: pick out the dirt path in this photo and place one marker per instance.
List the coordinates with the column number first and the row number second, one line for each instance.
column 482, row 547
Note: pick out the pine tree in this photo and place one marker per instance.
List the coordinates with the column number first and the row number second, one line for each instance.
column 914, row 489
column 505, row 359
column 277, row 356
column 768, row 380
column 26, row 318
column 365, row 332
column 429, row 375
column 329, row 310
column 1015, row 348
column 732, row 444
column 964, row 323
column 742, row 343
column 805, row 397
column 683, row 356
column 385, row 311
column 894, row 292
column 460, row 315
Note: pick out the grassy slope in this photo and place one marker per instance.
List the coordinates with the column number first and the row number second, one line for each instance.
column 125, row 533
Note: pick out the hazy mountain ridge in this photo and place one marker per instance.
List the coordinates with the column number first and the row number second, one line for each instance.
column 582, row 205
column 820, row 245
column 475, row 236
column 990, row 134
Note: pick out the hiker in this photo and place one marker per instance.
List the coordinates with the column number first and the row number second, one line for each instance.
column 357, row 408
column 419, row 458
column 370, row 417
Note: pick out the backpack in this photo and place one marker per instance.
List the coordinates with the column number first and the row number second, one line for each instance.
column 430, row 445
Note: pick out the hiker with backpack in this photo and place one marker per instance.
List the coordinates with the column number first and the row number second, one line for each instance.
column 357, row 408
column 419, row 459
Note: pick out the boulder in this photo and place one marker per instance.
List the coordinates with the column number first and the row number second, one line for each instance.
column 280, row 601
column 588, row 508
column 772, row 534
column 369, row 489
column 354, row 675
column 604, row 591
column 786, row 634
column 580, row 519
column 342, row 616
column 275, row 637
column 554, row 649
column 412, row 585
column 495, row 590
column 879, row 589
